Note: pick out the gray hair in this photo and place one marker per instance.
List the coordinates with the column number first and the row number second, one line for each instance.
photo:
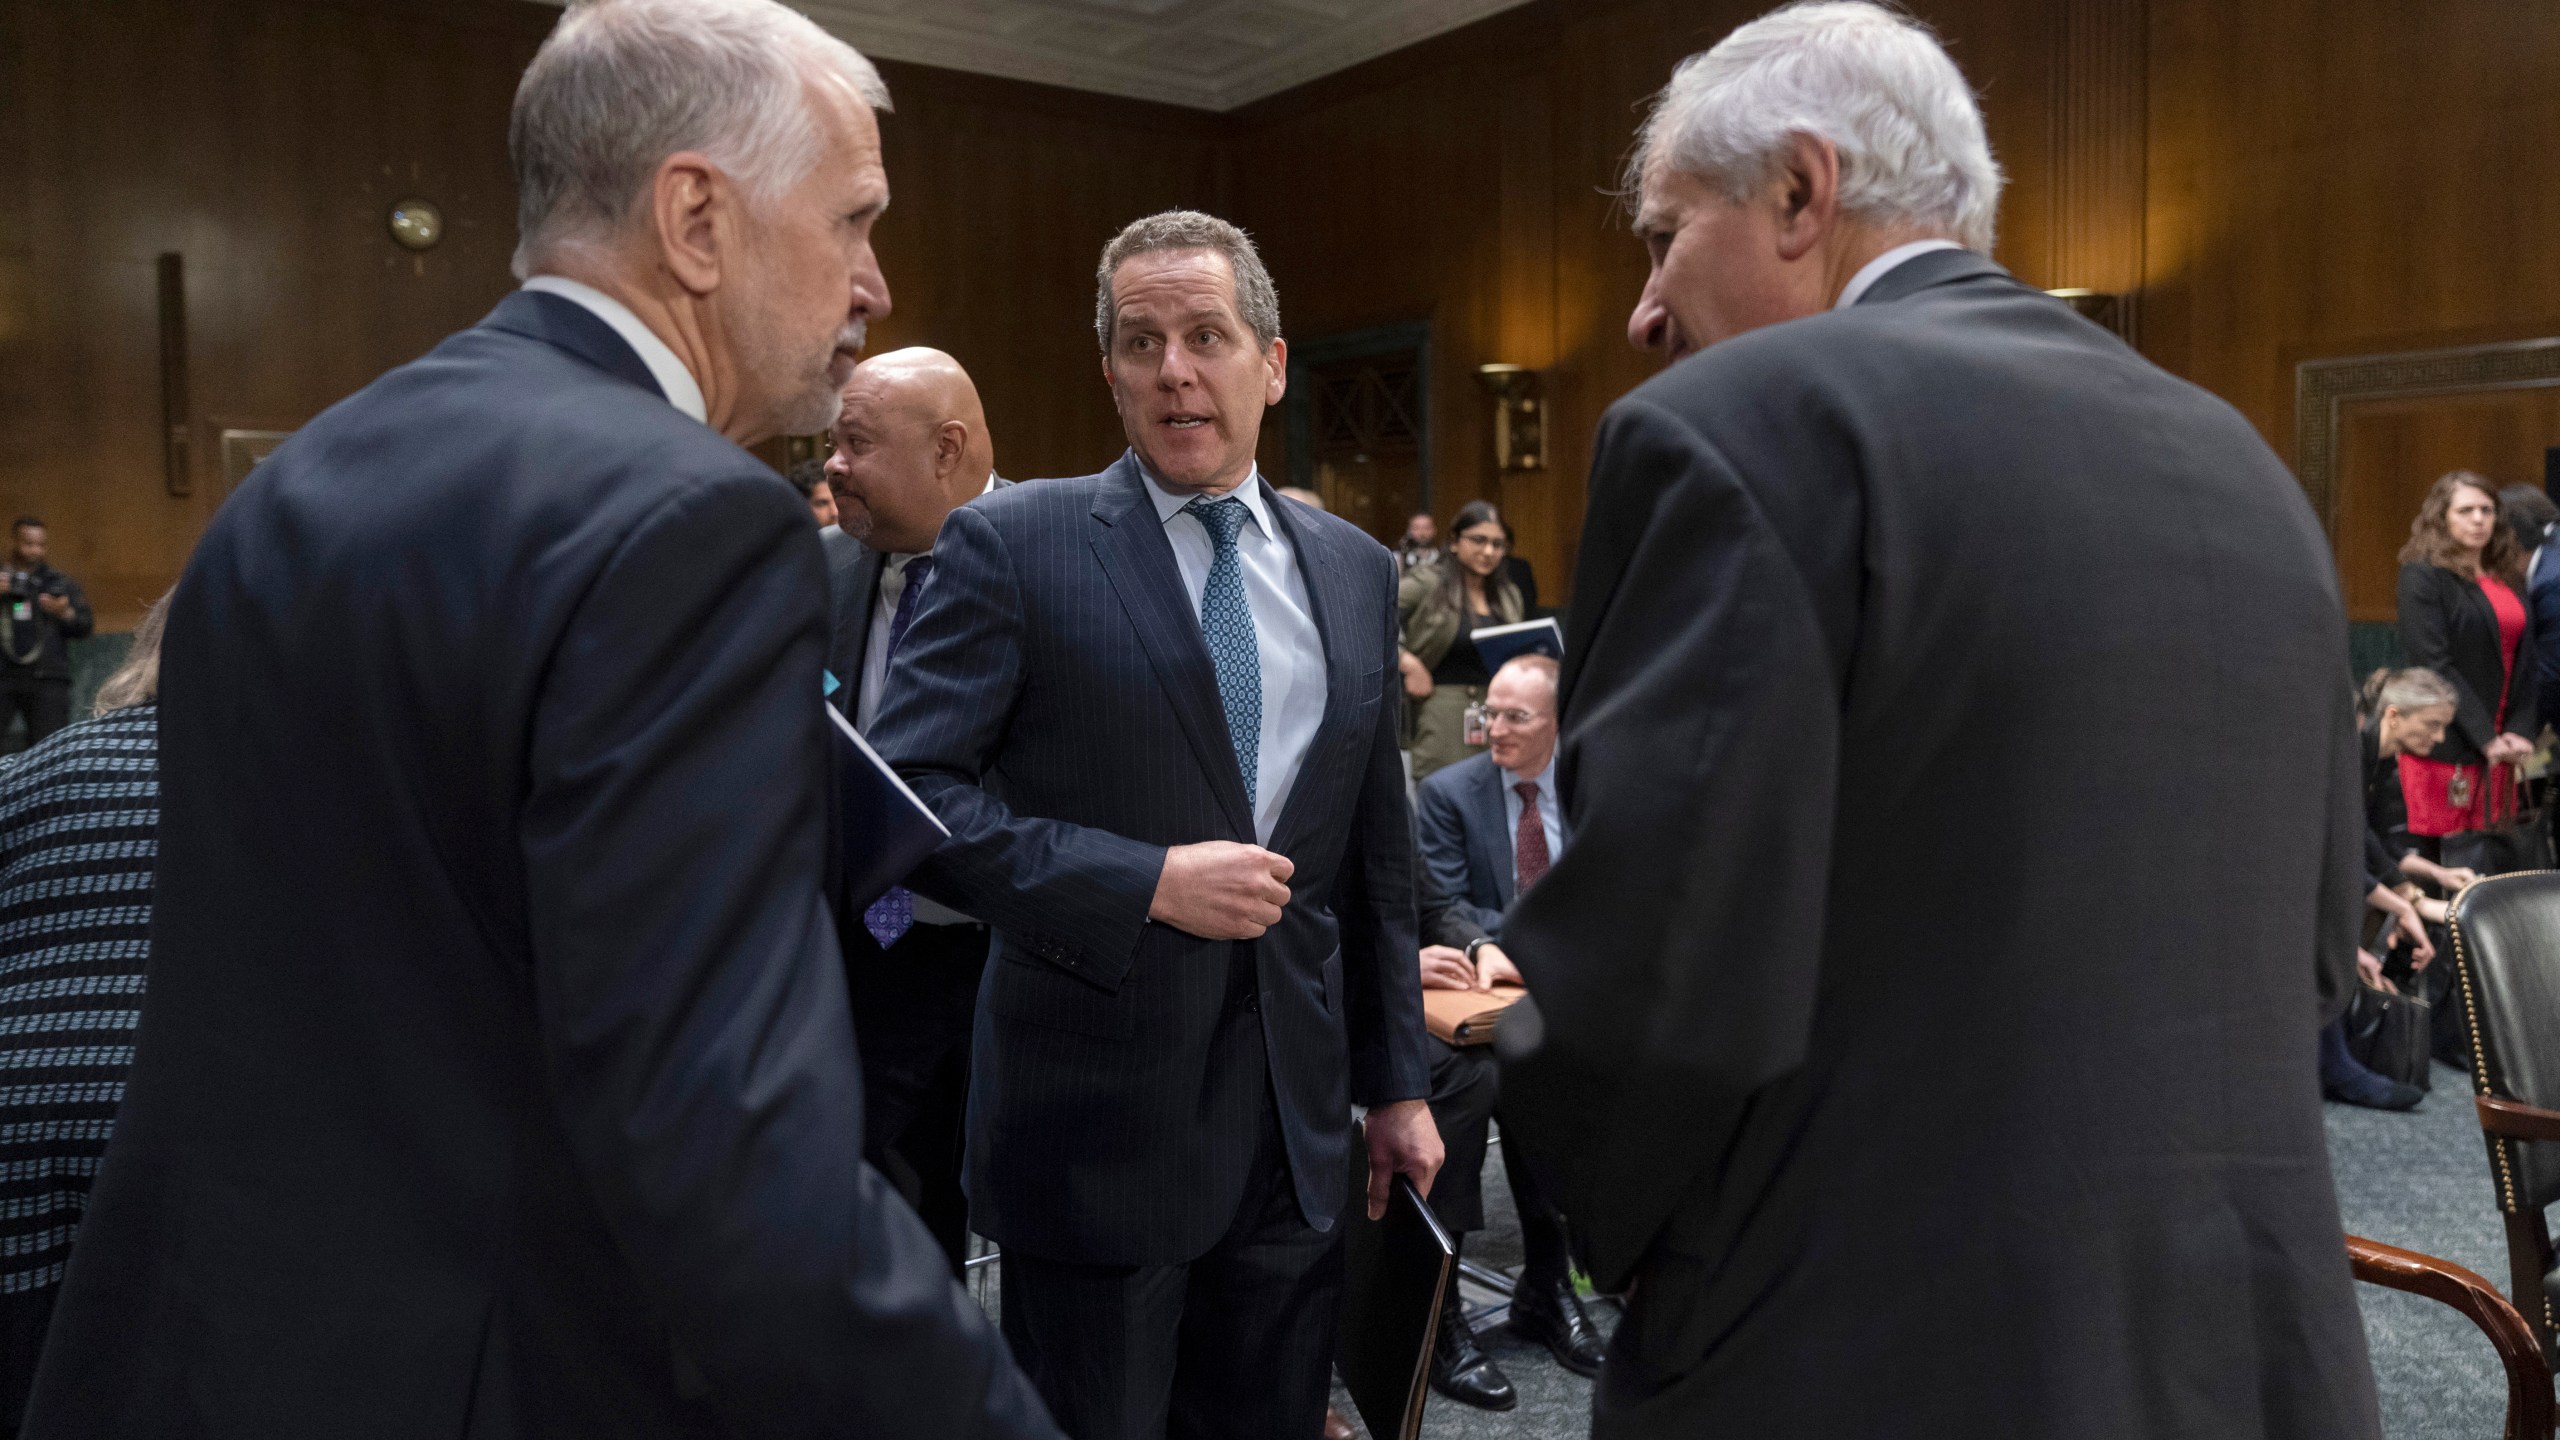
column 137, row 680
column 1873, row 82
column 1257, row 299
column 620, row 85
column 2407, row 691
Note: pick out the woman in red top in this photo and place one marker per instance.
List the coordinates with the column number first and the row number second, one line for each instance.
column 2462, row 615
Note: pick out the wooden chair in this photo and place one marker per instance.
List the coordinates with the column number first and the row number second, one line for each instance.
column 2529, row 1402
column 2506, row 957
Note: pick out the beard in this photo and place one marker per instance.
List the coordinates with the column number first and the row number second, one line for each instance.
column 807, row 392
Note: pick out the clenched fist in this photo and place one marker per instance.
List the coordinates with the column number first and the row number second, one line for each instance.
column 1220, row 890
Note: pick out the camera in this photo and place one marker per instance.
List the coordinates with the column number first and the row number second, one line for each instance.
column 25, row 585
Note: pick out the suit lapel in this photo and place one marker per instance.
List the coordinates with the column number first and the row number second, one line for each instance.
column 1130, row 545
column 1496, row 832
column 1334, row 596
column 857, row 581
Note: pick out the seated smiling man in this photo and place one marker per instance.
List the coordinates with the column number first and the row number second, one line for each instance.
column 1486, row 829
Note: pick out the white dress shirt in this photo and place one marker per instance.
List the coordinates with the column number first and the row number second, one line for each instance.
column 1284, row 631
column 1876, row 269
column 875, row 678
column 875, row 650
column 1550, row 814
column 681, row 389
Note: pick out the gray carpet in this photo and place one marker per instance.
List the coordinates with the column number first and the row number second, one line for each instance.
column 2418, row 1180
column 2421, row 1181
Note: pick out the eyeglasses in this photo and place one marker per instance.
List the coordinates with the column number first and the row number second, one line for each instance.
column 1485, row 542
column 1513, row 718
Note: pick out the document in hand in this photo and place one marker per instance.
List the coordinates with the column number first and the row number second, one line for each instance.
column 1529, row 637
column 1394, row 1269
column 887, row 830
column 1467, row 1017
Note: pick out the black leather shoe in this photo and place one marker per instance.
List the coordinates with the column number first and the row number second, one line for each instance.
column 1549, row 1312
column 1459, row 1367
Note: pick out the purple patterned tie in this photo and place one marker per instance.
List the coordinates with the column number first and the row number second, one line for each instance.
column 891, row 916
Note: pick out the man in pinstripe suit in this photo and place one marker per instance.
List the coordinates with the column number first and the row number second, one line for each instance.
column 1153, row 707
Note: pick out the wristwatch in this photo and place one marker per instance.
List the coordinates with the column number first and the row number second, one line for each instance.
column 1475, row 945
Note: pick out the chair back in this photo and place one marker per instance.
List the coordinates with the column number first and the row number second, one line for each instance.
column 2506, row 956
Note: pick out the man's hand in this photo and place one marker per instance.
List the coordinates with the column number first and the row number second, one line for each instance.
column 56, row 606
column 1402, row 1141
column 2508, row 747
column 1220, row 890
column 1495, row 968
column 2369, row 970
column 2405, row 919
column 1444, row 968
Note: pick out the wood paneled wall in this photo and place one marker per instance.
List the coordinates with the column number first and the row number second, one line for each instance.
column 1469, row 181
column 1002, row 195
column 2273, row 181
column 264, row 140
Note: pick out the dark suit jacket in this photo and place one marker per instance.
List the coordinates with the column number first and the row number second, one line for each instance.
column 1055, row 704
column 1930, row 993
column 2542, row 600
column 853, row 581
column 1465, row 841
column 2448, row 626
column 853, row 584
column 497, row 1078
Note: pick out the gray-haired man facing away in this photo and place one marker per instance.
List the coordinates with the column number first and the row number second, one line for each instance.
column 1931, row 989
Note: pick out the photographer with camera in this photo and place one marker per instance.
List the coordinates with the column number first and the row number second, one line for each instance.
column 41, row 612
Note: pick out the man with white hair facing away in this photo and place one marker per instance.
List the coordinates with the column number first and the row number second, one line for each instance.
column 497, row 1079
column 1926, row 1008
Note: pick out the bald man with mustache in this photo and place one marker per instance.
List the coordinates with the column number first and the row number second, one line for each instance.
column 911, row 446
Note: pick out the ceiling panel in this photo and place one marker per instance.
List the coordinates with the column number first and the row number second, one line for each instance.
column 1207, row 54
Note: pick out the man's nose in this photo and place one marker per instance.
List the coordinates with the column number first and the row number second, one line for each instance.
column 1648, row 324
column 870, row 287
column 835, row 467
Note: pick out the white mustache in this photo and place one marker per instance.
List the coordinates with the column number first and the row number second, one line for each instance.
column 852, row 336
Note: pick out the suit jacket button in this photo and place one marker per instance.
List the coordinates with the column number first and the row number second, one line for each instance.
column 1253, row 1002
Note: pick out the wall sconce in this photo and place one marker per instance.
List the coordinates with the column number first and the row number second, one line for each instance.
column 2112, row 312
column 1519, row 425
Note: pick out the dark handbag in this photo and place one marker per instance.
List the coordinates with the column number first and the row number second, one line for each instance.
column 2517, row 835
column 2390, row 1035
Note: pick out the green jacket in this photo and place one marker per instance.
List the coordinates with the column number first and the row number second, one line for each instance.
column 1430, row 623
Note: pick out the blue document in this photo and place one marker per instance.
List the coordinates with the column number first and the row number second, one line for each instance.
column 887, row 830
column 1498, row 644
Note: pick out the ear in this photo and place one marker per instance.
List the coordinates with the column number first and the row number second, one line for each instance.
column 950, row 443
column 1808, row 182
column 1275, row 360
column 691, row 207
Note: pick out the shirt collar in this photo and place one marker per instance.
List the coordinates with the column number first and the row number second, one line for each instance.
column 1876, row 269
column 1169, row 503
column 681, row 389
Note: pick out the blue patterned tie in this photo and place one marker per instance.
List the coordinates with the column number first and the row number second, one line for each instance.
column 1227, row 624
column 891, row 916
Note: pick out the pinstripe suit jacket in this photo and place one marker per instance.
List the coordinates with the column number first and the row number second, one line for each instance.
column 1054, row 702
